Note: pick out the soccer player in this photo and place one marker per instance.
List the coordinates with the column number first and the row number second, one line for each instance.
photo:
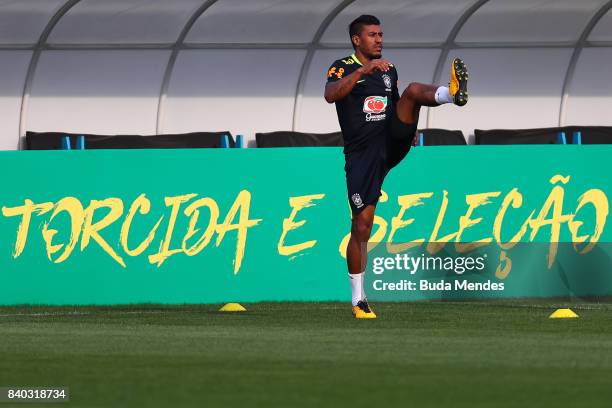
column 378, row 127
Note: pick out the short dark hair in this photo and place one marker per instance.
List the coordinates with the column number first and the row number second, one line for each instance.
column 357, row 25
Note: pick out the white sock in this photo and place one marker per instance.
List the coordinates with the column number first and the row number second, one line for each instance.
column 443, row 95
column 356, row 280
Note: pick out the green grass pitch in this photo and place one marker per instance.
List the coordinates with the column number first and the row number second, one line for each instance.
column 313, row 355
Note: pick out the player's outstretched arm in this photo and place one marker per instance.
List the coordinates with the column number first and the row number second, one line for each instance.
column 335, row 91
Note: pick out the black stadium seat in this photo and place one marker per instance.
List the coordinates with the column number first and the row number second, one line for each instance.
column 517, row 136
column 298, row 139
column 441, row 137
column 590, row 134
column 53, row 141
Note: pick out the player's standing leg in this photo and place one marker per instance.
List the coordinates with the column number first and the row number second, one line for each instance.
column 356, row 257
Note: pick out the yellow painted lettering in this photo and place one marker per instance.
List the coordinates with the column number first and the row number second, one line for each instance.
column 141, row 205
column 554, row 201
column 473, row 201
column 435, row 244
column 92, row 230
column 406, row 202
column 241, row 205
column 25, row 211
column 193, row 211
column 289, row 224
column 74, row 208
column 598, row 199
column 515, row 199
column 164, row 247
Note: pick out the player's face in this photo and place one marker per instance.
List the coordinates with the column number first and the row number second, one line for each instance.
column 370, row 41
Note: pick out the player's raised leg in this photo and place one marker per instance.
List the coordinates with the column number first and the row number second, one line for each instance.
column 458, row 82
column 417, row 94
column 356, row 258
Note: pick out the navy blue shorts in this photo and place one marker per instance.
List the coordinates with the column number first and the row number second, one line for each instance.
column 366, row 169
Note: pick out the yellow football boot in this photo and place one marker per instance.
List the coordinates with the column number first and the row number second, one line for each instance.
column 458, row 82
column 362, row 311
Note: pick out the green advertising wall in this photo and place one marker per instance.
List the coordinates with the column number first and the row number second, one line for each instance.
column 216, row 225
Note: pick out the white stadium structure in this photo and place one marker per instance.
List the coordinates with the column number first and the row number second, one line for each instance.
column 175, row 66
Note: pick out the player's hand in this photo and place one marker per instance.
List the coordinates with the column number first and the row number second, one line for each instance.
column 375, row 65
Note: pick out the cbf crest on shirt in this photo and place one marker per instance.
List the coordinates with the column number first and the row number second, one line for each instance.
column 365, row 113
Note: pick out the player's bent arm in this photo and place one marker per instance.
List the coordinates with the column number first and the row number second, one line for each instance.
column 335, row 91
